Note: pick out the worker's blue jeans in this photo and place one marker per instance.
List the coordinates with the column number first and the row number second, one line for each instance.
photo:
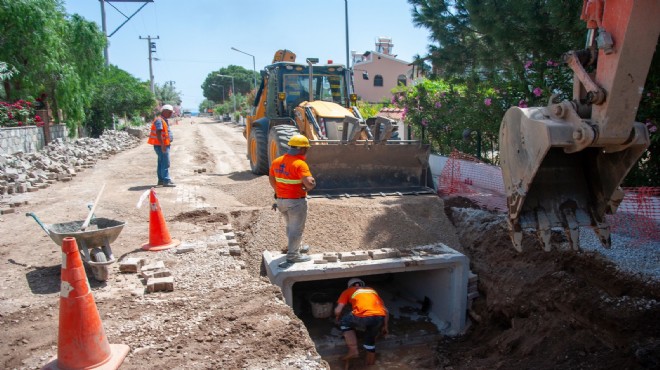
column 295, row 215
column 163, row 169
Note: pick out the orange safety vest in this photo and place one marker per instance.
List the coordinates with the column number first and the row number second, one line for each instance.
column 153, row 136
column 289, row 171
column 365, row 301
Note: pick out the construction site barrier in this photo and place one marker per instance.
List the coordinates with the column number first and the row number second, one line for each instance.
column 638, row 215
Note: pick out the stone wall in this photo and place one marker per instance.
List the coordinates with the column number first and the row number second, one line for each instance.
column 28, row 139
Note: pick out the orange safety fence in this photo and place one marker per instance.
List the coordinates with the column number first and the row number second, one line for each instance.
column 638, row 215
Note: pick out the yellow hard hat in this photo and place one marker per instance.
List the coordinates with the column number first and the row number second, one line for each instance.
column 299, row 141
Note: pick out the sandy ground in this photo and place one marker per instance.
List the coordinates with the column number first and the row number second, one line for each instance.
column 536, row 310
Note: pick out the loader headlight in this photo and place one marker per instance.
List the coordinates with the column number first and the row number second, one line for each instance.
column 281, row 96
column 353, row 97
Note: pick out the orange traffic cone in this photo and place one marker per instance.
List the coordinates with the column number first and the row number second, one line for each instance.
column 81, row 343
column 159, row 236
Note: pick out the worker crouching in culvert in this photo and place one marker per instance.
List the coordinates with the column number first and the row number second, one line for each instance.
column 368, row 311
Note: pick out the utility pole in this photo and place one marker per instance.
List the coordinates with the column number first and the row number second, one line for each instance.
column 152, row 49
column 104, row 26
column 105, row 33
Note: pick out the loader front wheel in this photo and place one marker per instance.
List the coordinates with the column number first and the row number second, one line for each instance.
column 257, row 150
column 278, row 140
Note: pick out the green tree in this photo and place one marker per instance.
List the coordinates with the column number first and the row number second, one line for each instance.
column 117, row 92
column 205, row 105
column 243, row 83
column 167, row 94
column 51, row 53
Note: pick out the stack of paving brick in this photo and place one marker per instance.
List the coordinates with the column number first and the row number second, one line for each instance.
column 374, row 254
column 156, row 277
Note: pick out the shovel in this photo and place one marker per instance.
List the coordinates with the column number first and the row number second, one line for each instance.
column 91, row 211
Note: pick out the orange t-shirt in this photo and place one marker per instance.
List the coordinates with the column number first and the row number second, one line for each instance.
column 289, row 171
column 365, row 302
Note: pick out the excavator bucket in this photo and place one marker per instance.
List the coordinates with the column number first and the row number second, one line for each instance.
column 369, row 169
column 548, row 187
column 563, row 164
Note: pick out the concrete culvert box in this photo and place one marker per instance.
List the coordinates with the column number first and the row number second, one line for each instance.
column 425, row 292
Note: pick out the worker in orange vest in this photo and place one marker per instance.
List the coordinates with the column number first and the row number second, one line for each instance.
column 161, row 138
column 291, row 179
column 368, row 311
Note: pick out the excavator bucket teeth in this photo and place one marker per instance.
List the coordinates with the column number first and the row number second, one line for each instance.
column 547, row 187
column 362, row 169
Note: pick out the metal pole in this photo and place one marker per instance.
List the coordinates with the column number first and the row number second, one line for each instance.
column 346, row 11
column 105, row 33
column 233, row 91
column 254, row 70
column 151, row 69
column 254, row 66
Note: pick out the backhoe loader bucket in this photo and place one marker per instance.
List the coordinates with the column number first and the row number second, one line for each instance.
column 364, row 168
column 552, row 182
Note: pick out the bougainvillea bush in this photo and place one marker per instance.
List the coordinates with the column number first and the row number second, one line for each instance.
column 18, row 114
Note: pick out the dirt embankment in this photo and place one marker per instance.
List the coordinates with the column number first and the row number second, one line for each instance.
column 540, row 310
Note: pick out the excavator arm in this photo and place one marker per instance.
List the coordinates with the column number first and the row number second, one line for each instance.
column 563, row 164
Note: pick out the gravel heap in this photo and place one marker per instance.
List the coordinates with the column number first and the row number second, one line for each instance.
column 59, row 161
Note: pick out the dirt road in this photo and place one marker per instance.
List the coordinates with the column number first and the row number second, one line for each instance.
column 536, row 310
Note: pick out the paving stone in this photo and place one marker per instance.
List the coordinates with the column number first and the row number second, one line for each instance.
column 153, row 266
column 330, row 256
column 6, row 211
column 184, row 248
column 235, row 251
column 353, row 256
column 379, row 254
column 155, row 273
column 131, row 264
column 160, row 284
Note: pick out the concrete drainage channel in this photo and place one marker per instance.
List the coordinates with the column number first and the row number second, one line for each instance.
column 425, row 290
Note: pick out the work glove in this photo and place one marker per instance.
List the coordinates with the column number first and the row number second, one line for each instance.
column 274, row 207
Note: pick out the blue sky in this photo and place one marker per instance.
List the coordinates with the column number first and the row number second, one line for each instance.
column 196, row 36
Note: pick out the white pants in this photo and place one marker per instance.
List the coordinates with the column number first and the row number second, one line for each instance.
column 295, row 215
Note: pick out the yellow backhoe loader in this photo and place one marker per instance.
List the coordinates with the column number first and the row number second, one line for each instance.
column 348, row 156
column 563, row 164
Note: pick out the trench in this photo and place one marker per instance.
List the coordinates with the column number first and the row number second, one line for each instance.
column 424, row 290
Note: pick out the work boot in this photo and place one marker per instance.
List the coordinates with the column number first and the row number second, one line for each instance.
column 169, row 184
column 288, row 263
column 302, row 250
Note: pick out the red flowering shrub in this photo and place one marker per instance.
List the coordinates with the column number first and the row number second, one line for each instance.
column 19, row 113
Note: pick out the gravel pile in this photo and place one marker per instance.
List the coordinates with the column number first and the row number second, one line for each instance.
column 629, row 254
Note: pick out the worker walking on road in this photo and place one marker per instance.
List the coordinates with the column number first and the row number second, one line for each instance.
column 291, row 179
column 161, row 138
column 368, row 311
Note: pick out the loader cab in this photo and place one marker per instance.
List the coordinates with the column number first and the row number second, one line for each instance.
column 328, row 84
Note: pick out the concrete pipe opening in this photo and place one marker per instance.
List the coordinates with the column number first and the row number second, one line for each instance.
column 425, row 291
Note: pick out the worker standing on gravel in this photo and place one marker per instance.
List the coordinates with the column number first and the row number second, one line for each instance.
column 161, row 138
column 291, row 179
column 368, row 311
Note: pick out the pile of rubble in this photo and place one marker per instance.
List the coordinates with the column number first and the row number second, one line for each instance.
column 59, row 161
